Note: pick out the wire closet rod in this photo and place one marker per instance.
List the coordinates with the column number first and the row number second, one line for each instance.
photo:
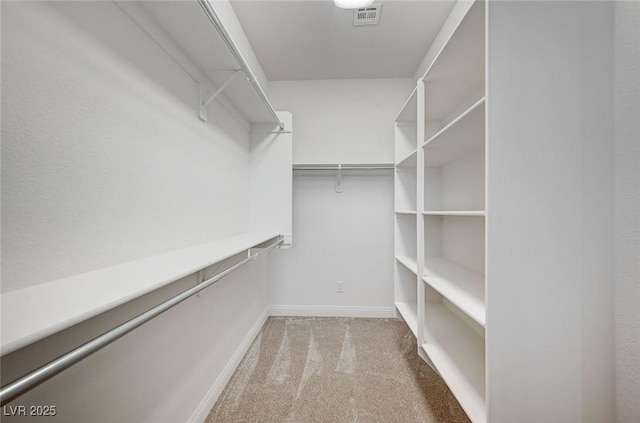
column 213, row 17
column 343, row 167
column 18, row 387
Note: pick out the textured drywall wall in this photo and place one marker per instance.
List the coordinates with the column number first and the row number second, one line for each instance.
column 627, row 210
column 103, row 157
column 342, row 121
column 344, row 236
column 550, row 261
column 347, row 236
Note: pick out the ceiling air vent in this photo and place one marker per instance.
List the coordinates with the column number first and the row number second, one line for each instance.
column 369, row 15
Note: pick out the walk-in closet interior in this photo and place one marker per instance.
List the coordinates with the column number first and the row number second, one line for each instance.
column 181, row 179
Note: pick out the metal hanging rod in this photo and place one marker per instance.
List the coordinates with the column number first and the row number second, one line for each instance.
column 343, row 167
column 47, row 371
column 338, row 168
column 213, row 17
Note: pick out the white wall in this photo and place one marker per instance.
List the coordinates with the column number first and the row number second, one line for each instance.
column 347, row 236
column 104, row 161
column 103, row 157
column 627, row 210
column 550, row 212
column 342, row 121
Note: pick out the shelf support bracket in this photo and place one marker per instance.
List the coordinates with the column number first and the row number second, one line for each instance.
column 206, row 101
column 339, row 186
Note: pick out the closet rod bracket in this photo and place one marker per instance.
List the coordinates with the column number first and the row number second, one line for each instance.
column 206, row 101
column 339, row 186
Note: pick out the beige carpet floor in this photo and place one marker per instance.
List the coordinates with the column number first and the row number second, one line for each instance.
column 333, row 370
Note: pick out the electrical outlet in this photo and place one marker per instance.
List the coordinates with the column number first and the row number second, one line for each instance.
column 340, row 287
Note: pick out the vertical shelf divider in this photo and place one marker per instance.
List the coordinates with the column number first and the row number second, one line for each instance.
column 420, row 98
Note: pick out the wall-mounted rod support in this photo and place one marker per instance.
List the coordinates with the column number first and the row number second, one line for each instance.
column 213, row 17
column 339, row 187
column 18, row 387
column 204, row 103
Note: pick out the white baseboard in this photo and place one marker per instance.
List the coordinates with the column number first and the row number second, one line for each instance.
column 331, row 311
column 207, row 403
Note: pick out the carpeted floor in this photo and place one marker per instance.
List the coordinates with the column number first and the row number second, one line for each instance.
column 333, row 370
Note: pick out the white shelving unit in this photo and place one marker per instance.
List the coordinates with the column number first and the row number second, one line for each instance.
column 513, row 197
column 457, row 352
column 405, row 187
column 456, row 78
column 463, row 287
column 409, row 262
column 406, row 272
column 440, row 170
column 454, row 162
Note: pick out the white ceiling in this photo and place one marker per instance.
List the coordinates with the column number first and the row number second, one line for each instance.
column 303, row 39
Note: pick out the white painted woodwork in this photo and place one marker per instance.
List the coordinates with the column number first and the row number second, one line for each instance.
column 408, row 113
column 189, row 28
column 458, row 355
column 457, row 238
column 409, row 314
column 449, row 195
column 515, row 209
column 461, row 137
column 35, row 312
column 408, row 262
column 455, row 80
column 455, row 186
column 455, row 213
column 405, row 188
column 458, row 284
column 405, row 235
column 408, row 160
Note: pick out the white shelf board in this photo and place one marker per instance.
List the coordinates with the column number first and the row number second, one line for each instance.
column 187, row 25
column 462, row 136
column 407, row 212
column 411, row 160
column 458, row 70
column 408, row 262
column 409, row 111
column 457, row 352
column 34, row 313
column 463, row 287
column 409, row 313
column 470, row 213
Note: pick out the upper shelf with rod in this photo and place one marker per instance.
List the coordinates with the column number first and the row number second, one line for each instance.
column 313, row 168
column 149, row 271
column 33, row 313
column 192, row 31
